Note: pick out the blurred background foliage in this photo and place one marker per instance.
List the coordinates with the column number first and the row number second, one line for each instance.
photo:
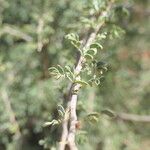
column 32, row 39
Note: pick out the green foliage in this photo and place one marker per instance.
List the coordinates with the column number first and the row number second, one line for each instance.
column 32, row 39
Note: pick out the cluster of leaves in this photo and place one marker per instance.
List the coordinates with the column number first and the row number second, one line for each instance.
column 92, row 67
column 63, row 115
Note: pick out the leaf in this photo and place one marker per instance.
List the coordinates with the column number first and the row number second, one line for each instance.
column 53, row 122
column 69, row 70
column 92, row 51
column 53, row 69
column 60, row 69
column 96, row 45
column 97, row 81
column 88, row 56
column 55, row 72
column 108, row 113
column 76, row 44
column 94, row 114
column 102, row 36
column 69, row 77
column 69, row 74
column 61, row 110
column 47, row 124
column 60, row 107
column 72, row 37
column 61, row 113
column 93, row 117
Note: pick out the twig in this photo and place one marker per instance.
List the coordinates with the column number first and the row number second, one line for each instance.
column 9, row 110
column 15, row 32
column 39, row 34
column 64, row 135
column 133, row 117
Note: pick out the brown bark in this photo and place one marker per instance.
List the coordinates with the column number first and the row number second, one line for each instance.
column 45, row 61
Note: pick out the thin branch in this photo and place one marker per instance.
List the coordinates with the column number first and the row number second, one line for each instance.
column 9, row 110
column 73, row 92
column 15, row 32
column 63, row 143
column 64, row 134
column 133, row 117
column 39, row 34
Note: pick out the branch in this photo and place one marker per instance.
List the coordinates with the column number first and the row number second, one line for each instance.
column 64, row 135
column 74, row 90
column 62, row 143
column 133, row 117
column 39, row 34
column 75, row 87
column 15, row 32
column 9, row 110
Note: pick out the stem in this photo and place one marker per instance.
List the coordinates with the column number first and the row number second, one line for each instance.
column 11, row 30
column 133, row 117
column 73, row 121
column 73, row 92
column 64, row 135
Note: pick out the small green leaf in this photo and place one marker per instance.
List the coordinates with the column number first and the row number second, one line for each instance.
column 69, row 77
column 108, row 113
column 69, row 74
column 48, row 124
column 94, row 114
column 72, row 37
column 97, row 81
column 55, row 72
column 93, row 117
column 61, row 110
column 88, row 56
column 69, row 70
column 60, row 107
column 102, row 36
column 61, row 113
column 61, row 70
column 96, row 45
column 53, row 122
column 92, row 51
column 53, row 69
